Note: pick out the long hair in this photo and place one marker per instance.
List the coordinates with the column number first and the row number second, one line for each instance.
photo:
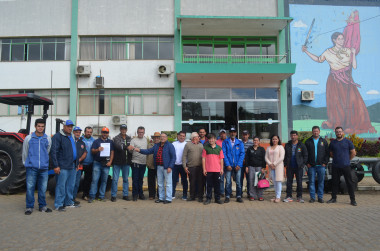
column 271, row 140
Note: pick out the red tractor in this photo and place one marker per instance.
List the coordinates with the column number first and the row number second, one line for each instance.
column 12, row 170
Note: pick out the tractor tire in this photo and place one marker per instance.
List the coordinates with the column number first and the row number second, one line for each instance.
column 376, row 172
column 12, row 170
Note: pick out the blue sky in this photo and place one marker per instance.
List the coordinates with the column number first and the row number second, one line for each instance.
column 330, row 19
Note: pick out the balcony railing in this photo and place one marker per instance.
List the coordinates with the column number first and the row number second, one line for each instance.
column 233, row 59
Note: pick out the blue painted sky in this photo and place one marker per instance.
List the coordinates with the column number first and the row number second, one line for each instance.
column 329, row 19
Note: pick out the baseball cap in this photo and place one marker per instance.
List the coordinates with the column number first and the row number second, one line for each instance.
column 233, row 129
column 77, row 128
column 245, row 132
column 105, row 129
column 222, row 130
column 69, row 122
column 123, row 126
column 156, row 134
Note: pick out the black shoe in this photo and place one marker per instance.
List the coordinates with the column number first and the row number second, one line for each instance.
column 331, row 201
column 45, row 210
column 28, row 211
column 90, row 200
column 208, row 201
column 126, row 198
column 134, row 198
column 239, row 199
column 222, row 196
column 312, row 200
column 60, row 209
column 76, row 202
column 113, row 199
column 190, row 199
column 142, row 197
column 231, row 195
column 167, row 202
column 200, row 200
column 321, row 200
column 220, row 202
column 353, row 203
column 226, row 200
column 158, row 201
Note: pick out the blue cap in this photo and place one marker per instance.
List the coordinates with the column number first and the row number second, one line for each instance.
column 77, row 128
column 69, row 122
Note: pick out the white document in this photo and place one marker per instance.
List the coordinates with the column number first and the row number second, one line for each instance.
column 106, row 150
column 256, row 179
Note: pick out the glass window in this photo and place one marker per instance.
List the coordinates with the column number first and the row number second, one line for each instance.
column 221, row 49
column 60, row 49
column 253, row 49
column 205, row 49
column 237, row 49
column 150, row 48
column 266, row 93
column 217, row 93
column 243, row 93
column 269, row 49
column 150, row 104
column 118, row 102
column 18, row 50
column 193, row 93
column 62, row 102
column 189, row 49
column 87, row 48
column 119, row 48
column 165, row 105
column 103, row 48
column 166, row 50
column 88, row 102
column 48, row 48
column 137, row 51
column 134, row 105
column 5, row 49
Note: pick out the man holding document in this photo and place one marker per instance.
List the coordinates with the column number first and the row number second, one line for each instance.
column 103, row 152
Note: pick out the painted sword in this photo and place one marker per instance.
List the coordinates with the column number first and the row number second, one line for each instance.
column 308, row 34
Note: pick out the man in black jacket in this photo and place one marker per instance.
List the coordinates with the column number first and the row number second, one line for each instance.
column 294, row 162
column 81, row 155
column 122, row 161
column 318, row 158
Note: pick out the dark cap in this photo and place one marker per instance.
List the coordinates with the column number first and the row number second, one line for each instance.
column 233, row 129
column 245, row 132
column 123, row 126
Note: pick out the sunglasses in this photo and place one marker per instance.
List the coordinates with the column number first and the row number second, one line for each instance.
column 105, row 132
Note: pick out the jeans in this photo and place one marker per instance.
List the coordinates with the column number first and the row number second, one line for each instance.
column 243, row 173
column 99, row 172
column 115, row 178
column 229, row 183
column 77, row 183
column 87, row 169
column 138, row 171
column 152, row 176
column 336, row 173
column 162, row 177
column 196, row 182
column 178, row 169
column 35, row 177
column 213, row 181
column 290, row 172
column 222, row 187
column 277, row 184
column 65, row 187
column 320, row 170
column 254, row 191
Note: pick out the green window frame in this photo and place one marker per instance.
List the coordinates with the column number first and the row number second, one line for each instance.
column 263, row 43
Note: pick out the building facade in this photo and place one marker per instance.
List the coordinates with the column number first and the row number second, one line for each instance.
column 163, row 64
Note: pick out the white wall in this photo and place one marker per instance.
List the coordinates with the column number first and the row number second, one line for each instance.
column 116, row 17
column 259, row 8
column 35, row 18
column 128, row 74
column 35, row 75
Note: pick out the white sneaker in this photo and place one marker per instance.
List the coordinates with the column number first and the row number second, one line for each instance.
column 173, row 198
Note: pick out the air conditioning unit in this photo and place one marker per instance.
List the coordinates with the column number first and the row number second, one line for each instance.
column 83, row 70
column 99, row 82
column 307, row 95
column 119, row 119
column 164, row 70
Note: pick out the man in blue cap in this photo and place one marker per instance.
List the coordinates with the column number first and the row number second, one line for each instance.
column 81, row 153
column 64, row 157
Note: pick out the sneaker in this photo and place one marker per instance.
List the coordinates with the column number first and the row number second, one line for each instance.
column 353, row 203
column 220, row 202
column 84, row 197
column 142, row 197
column 126, row 198
column 45, row 210
column 239, row 199
column 208, row 201
column 331, row 201
column 300, row 200
column 73, row 206
column 251, row 198
column 28, row 211
column 60, row 209
column 261, row 199
column 167, row 202
column 288, row 199
column 113, row 199
column 312, row 200
column 159, row 201
column 90, row 200
column 76, row 202
column 321, row 200
column 173, row 197
column 226, row 200
column 184, row 198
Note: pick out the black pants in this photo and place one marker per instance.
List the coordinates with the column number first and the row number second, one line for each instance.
column 152, row 177
column 336, row 173
column 213, row 181
column 196, row 178
column 87, row 169
column 290, row 172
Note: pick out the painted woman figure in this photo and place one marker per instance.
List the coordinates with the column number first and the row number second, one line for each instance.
column 345, row 105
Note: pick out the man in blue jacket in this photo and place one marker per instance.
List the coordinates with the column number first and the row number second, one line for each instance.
column 233, row 150
column 64, row 156
column 35, row 157
column 164, row 159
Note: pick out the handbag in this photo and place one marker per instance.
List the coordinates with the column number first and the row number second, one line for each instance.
column 264, row 183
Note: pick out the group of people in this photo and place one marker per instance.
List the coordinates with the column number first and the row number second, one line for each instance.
column 209, row 162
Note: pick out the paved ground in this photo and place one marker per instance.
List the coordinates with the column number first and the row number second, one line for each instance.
column 144, row 225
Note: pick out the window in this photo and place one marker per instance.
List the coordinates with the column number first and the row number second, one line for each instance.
column 126, row 102
column 126, row 48
column 34, row 49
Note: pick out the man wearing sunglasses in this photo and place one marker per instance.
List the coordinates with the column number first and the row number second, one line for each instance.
column 103, row 152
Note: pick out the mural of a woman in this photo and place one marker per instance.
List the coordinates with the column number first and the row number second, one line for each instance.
column 345, row 105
